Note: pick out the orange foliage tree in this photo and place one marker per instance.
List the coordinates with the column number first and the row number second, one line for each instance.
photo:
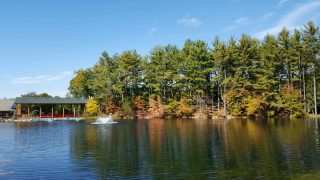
column 156, row 108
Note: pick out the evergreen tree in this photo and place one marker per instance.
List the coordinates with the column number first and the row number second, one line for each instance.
column 79, row 85
column 311, row 50
column 251, row 77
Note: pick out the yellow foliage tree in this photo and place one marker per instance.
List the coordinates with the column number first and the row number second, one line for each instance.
column 92, row 107
column 184, row 108
column 290, row 101
column 179, row 108
column 254, row 104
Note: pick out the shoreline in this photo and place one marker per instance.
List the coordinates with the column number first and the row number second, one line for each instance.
column 229, row 117
column 43, row 119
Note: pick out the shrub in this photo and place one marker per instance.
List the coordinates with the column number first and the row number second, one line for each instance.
column 179, row 109
column 236, row 101
column 171, row 109
column 139, row 107
column 139, row 104
column 127, row 109
column 156, row 108
column 290, row 101
column 112, row 107
column 92, row 107
column 184, row 108
column 253, row 105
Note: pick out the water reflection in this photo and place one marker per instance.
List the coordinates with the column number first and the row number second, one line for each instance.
column 197, row 149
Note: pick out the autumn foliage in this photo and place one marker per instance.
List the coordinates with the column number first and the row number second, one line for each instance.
column 179, row 109
column 92, row 107
column 290, row 101
column 156, row 108
column 139, row 107
column 244, row 76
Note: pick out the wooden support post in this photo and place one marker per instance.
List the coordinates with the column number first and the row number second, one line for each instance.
column 62, row 110
column 52, row 111
column 18, row 109
column 74, row 111
column 28, row 111
column 40, row 112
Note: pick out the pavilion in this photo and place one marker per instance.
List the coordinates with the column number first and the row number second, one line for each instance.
column 49, row 107
column 6, row 110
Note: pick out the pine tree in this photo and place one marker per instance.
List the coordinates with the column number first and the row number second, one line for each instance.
column 310, row 42
column 251, row 77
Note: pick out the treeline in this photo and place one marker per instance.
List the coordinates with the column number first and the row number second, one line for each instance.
column 277, row 75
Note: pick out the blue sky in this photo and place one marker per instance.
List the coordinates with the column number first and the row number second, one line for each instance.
column 42, row 42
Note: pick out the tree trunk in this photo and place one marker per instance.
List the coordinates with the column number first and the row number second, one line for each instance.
column 300, row 76
column 315, row 90
column 224, row 97
column 304, row 89
column 212, row 102
column 164, row 92
column 288, row 73
column 218, row 96
column 291, row 77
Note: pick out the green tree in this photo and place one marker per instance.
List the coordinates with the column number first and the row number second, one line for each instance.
column 310, row 36
column 101, row 82
column 251, row 76
column 290, row 99
column 80, row 85
column 130, row 74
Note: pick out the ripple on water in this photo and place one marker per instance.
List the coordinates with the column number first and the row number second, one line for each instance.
column 158, row 149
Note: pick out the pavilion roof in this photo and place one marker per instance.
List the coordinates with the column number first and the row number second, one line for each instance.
column 6, row 104
column 49, row 100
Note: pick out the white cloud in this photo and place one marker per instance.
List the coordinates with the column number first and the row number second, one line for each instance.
column 67, row 72
column 267, row 16
column 190, row 22
column 53, row 78
column 230, row 28
column 241, row 20
column 237, row 23
column 40, row 78
column 153, row 30
column 294, row 19
column 282, row 1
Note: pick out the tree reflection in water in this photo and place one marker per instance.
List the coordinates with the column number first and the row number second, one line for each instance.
column 199, row 149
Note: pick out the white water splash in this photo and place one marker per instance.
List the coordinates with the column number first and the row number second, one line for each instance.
column 104, row 120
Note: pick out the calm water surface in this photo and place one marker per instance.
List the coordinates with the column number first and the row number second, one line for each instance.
column 157, row 149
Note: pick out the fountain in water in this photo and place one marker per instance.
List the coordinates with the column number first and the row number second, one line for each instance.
column 104, row 120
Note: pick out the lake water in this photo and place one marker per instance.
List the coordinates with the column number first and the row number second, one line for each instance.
column 157, row 149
